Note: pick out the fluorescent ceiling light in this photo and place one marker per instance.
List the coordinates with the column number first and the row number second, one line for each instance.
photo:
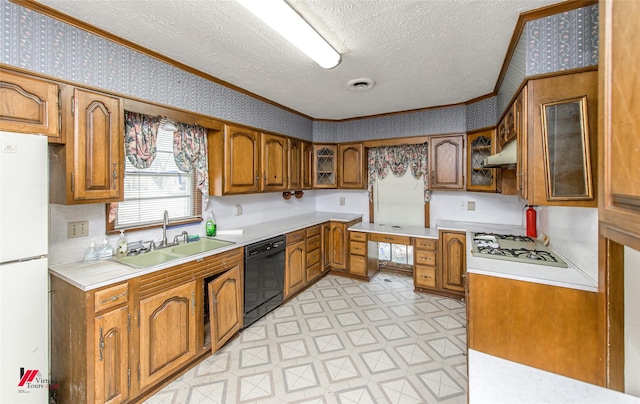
column 287, row 22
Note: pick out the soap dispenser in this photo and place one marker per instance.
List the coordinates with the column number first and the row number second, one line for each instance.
column 91, row 254
column 105, row 251
column 122, row 245
column 211, row 226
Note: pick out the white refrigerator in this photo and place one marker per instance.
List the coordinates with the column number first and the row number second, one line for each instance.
column 24, row 281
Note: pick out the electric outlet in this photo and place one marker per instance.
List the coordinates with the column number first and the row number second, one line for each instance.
column 237, row 210
column 343, row 201
column 78, row 229
column 471, row 205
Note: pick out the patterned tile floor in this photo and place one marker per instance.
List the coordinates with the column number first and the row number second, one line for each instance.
column 340, row 341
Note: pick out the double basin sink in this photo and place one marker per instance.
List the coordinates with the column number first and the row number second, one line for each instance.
column 164, row 255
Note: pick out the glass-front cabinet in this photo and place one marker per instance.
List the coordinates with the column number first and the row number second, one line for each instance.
column 480, row 145
column 325, row 158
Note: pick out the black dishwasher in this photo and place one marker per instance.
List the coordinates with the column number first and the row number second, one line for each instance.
column 263, row 278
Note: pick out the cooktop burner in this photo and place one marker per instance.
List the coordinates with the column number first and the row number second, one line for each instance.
column 514, row 248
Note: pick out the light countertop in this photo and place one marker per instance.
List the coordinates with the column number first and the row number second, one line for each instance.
column 89, row 276
column 411, row 231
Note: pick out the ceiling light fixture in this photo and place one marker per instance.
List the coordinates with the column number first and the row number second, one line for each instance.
column 361, row 84
column 287, row 22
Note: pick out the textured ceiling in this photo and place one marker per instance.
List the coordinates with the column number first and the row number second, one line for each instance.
column 421, row 53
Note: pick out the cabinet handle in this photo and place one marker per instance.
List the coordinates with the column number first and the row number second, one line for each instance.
column 113, row 298
column 115, row 174
column 193, row 302
column 101, row 344
column 425, row 276
column 463, row 275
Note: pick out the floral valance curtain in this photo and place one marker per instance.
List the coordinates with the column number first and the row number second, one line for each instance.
column 398, row 159
column 140, row 135
column 190, row 153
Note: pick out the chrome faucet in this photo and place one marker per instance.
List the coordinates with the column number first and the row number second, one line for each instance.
column 165, row 222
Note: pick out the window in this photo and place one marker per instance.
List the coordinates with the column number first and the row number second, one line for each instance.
column 395, row 253
column 149, row 192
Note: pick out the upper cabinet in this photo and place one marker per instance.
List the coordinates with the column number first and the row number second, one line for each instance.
column 89, row 168
column 561, row 140
column 446, row 162
column 29, row 105
column 325, row 162
column 307, row 165
column 352, row 165
column 479, row 146
column 619, row 208
column 234, row 161
column 274, row 162
column 295, row 164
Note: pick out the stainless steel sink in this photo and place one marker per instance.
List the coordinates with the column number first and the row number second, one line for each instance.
column 162, row 256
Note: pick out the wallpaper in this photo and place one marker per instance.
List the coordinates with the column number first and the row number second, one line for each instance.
column 482, row 114
column 45, row 45
column 515, row 75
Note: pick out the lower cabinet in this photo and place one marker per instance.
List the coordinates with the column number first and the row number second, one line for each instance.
column 338, row 246
column 313, row 252
column 225, row 305
column 425, row 269
column 111, row 365
column 454, row 261
column 363, row 259
column 167, row 332
column 325, row 246
column 295, row 269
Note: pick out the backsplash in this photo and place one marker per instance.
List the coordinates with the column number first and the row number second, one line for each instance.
column 489, row 208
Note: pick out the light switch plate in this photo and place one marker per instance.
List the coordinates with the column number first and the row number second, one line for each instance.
column 343, row 201
column 237, row 210
column 471, row 205
column 78, row 229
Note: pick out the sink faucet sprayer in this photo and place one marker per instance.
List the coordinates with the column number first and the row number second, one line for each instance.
column 165, row 222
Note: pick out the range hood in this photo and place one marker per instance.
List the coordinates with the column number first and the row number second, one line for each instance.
column 507, row 157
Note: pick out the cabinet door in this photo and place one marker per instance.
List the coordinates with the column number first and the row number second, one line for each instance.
column 241, row 160
column 167, row 332
column 351, row 163
column 325, row 160
column 619, row 205
column 338, row 246
column 521, row 138
column 480, row 146
column 307, row 165
column 295, row 268
column 454, row 260
column 225, row 303
column 446, row 162
column 325, row 246
column 274, row 162
column 99, row 154
column 29, row 105
column 295, row 164
column 111, row 366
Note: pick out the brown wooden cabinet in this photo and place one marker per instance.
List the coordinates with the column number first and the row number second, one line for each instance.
column 425, row 273
column 619, row 142
column 295, row 164
column 89, row 168
column 307, row 165
column 351, row 163
column 363, row 255
column 480, row 145
column 313, row 252
column 234, row 161
column 29, row 105
column 338, row 246
column 226, row 306
column 274, row 162
column 454, row 260
column 325, row 163
column 325, row 246
column 167, row 332
column 295, row 263
column 446, row 162
column 547, row 327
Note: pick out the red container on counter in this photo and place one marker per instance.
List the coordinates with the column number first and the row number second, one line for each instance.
column 531, row 223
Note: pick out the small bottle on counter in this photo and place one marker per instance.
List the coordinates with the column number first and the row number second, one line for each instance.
column 105, row 251
column 210, row 226
column 122, row 245
column 91, row 254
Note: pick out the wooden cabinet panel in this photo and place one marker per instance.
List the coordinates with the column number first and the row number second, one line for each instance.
column 111, row 354
column 446, row 162
column 295, row 164
column 357, row 236
column 425, row 276
column 338, row 246
column 358, row 265
column 521, row 321
column 226, row 305
column 358, row 247
column 167, row 332
column 241, row 160
column 29, row 105
column 479, row 146
column 313, row 272
column 111, row 296
column 313, row 257
column 295, row 268
column 390, row 238
column 274, row 162
column 454, row 260
column 307, row 165
column 313, row 242
column 352, row 167
column 425, row 257
column 325, row 163
column 325, row 246
column 619, row 207
column 425, row 244
column 296, row 236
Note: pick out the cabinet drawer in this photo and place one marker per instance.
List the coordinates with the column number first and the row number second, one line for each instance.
column 313, row 272
column 390, row 238
column 358, row 247
column 358, row 265
column 425, row 276
column 313, row 257
column 313, row 242
column 426, row 244
column 357, row 236
column 313, row 230
column 425, row 257
column 296, row 236
column 111, row 296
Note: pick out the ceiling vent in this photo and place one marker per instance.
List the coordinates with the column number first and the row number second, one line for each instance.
column 362, row 84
